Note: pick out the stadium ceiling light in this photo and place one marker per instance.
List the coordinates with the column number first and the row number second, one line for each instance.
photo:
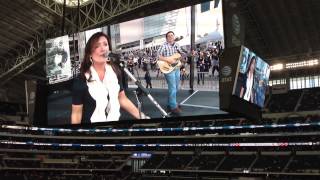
column 74, row 3
column 276, row 67
column 302, row 64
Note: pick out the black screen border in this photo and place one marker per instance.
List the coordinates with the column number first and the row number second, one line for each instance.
column 153, row 120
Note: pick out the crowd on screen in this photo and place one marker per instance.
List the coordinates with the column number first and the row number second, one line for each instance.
column 208, row 61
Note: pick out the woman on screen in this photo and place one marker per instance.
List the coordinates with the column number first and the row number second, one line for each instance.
column 246, row 91
column 98, row 93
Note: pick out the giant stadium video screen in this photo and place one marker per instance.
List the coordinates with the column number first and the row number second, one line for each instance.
column 243, row 82
column 252, row 78
column 138, row 42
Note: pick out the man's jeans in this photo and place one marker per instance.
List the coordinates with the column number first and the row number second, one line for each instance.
column 173, row 80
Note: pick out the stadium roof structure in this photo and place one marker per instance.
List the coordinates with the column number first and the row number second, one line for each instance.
column 273, row 28
column 74, row 3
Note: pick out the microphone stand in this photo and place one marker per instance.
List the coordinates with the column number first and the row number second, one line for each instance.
column 144, row 90
column 139, row 103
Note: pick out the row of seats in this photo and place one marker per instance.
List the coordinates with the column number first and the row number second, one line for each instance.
column 287, row 102
column 197, row 161
column 290, row 163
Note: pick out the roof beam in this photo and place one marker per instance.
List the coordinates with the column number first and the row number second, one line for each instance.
column 8, row 47
column 10, row 27
column 279, row 31
column 33, row 53
column 99, row 12
column 44, row 16
column 259, row 32
column 54, row 8
column 311, row 16
column 31, row 76
column 19, row 68
column 21, row 20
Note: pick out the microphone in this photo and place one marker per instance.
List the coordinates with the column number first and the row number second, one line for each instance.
column 113, row 57
column 178, row 38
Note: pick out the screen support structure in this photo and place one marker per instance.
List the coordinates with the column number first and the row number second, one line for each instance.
column 144, row 90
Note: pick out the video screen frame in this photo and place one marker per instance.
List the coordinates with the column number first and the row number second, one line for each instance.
column 186, row 46
column 257, row 77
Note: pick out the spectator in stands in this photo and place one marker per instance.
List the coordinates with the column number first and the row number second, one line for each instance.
column 130, row 65
column 203, row 65
column 183, row 75
column 246, row 91
column 98, row 93
column 147, row 77
column 215, row 61
column 200, row 67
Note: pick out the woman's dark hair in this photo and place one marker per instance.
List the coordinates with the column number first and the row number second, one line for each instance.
column 251, row 61
column 86, row 63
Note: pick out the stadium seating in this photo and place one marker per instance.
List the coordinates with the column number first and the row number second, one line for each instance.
column 284, row 102
column 310, row 100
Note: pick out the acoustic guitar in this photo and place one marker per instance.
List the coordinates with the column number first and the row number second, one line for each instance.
column 166, row 67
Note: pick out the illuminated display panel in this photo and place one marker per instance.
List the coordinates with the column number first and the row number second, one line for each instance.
column 138, row 42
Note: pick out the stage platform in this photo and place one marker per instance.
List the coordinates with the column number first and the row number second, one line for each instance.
column 194, row 103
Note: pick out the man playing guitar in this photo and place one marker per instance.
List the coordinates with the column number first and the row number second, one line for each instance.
column 169, row 62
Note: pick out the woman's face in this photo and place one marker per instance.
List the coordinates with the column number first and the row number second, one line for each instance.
column 99, row 50
column 252, row 65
